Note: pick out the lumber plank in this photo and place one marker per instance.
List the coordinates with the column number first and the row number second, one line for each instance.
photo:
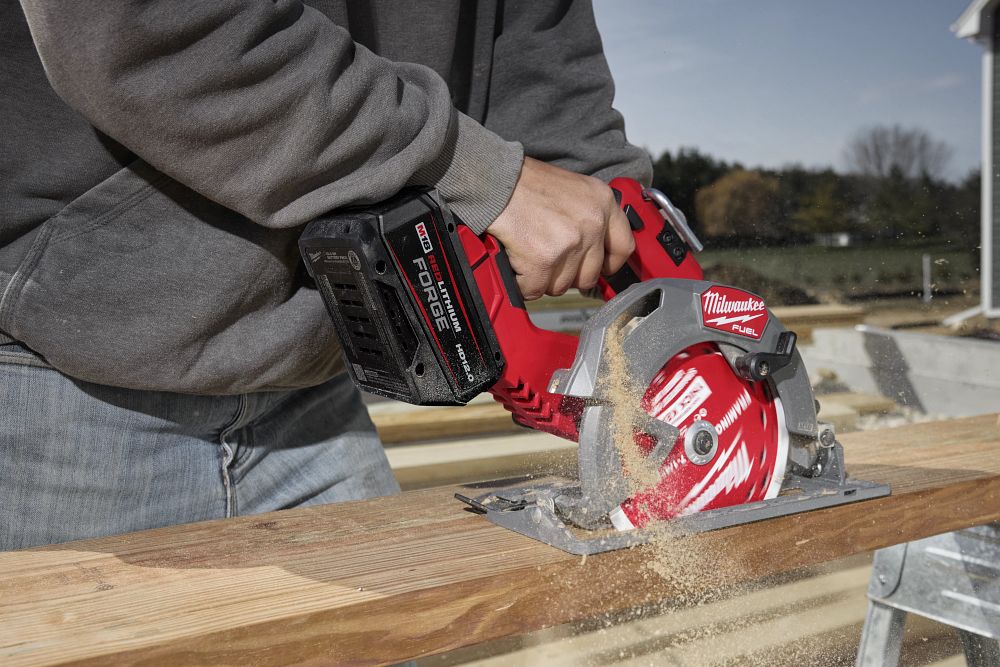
column 448, row 422
column 803, row 320
column 823, row 314
column 389, row 579
column 812, row 619
column 713, row 631
column 459, row 461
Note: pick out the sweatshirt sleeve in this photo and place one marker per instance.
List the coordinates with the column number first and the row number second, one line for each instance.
column 267, row 107
column 551, row 88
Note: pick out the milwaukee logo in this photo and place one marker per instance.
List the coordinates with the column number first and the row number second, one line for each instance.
column 714, row 303
column 425, row 239
column 733, row 311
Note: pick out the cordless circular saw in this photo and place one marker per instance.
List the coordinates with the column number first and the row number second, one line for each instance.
column 688, row 399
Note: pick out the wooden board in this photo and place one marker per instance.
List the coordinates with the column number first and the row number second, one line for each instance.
column 458, row 461
column 814, row 618
column 389, row 579
column 437, row 423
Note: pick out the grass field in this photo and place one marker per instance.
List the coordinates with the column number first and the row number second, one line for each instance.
column 859, row 271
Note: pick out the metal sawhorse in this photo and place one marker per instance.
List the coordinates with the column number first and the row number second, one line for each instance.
column 952, row 578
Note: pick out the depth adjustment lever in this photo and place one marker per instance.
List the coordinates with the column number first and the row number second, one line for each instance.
column 761, row 365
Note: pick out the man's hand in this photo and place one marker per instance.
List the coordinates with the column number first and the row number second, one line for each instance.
column 561, row 230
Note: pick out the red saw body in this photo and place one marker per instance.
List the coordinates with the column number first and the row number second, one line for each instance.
column 429, row 313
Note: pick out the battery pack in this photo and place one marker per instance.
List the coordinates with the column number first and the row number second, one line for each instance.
column 401, row 294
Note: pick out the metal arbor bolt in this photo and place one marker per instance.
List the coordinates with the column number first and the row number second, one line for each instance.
column 703, row 442
column 827, row 437
column 763, row 369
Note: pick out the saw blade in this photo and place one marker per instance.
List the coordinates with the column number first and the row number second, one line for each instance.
column 732, row 446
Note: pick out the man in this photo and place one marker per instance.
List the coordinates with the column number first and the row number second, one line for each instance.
column 163, row 359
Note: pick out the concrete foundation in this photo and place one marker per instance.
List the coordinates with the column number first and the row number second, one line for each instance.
column 938, row 375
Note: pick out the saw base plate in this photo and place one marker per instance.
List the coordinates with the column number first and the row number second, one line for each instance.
column 530, row 510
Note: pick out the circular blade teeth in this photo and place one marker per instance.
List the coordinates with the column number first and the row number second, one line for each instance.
column 741, row 460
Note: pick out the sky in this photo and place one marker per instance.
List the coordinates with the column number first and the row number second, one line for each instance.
column 774, row 82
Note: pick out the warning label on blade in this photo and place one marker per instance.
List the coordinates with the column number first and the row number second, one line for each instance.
column 680, row 397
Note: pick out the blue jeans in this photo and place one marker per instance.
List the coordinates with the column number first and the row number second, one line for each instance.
column 82, row 460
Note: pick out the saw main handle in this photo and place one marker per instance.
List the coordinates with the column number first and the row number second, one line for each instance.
column 532, row 354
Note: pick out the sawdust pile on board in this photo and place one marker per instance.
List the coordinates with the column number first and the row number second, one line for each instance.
column 695, row 571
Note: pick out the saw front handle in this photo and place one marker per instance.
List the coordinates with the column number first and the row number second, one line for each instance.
column 532, row 355
column 663, row 240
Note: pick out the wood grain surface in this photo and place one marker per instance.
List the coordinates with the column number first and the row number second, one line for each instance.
column 389, row 579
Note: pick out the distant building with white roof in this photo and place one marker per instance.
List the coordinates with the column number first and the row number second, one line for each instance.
column 978, row 23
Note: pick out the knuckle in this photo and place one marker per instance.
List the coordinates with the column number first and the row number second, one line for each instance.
column 550, row 254
column 606, row 197
column 588, row 281
column 609, row 196
column 559, row 287
column 531, row 293
column 629, row 244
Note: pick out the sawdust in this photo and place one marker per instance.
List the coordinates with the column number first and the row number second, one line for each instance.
column 694, row 572
column 626, row 414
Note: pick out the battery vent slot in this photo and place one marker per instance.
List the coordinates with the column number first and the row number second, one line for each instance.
column 360, row 328
column 348, row 294
column 400, row 325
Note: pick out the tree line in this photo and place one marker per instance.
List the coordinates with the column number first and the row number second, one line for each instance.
column 895, row 189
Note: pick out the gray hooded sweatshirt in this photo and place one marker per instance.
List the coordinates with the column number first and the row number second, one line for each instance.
column 160, row 158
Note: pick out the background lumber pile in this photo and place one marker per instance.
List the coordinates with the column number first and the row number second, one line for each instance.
column 414, row 575
column 570, row 311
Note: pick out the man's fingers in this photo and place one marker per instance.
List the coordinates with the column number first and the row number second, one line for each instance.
column 590, row 267
column 561, row 230
column 619, row 243
column 563, row 278
column 530, row 290
column 530, row 287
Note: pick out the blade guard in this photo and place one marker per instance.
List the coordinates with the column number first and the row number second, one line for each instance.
column 656, row 323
